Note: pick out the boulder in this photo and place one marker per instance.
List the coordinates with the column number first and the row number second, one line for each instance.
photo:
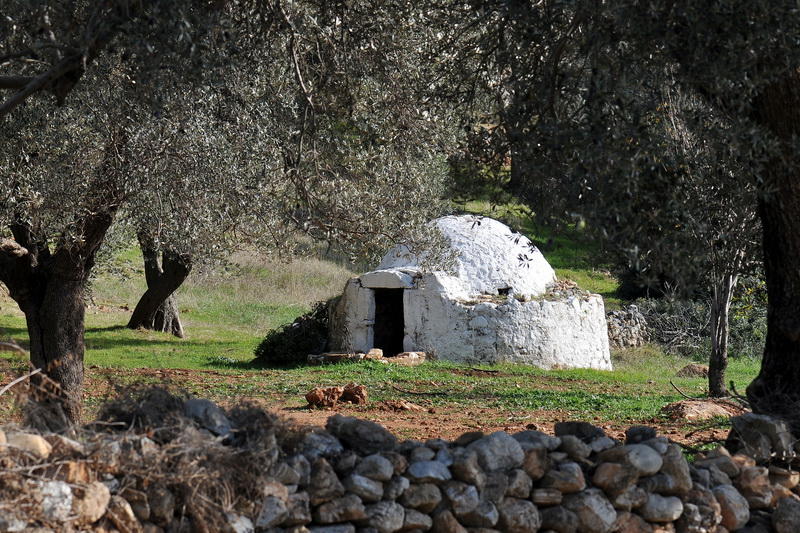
column 324, row 484
column 518, row 516
column 644, row 459
column 519, row 484
column 423, row 497
column 385, row 517
column 733, row 507
column 595, row 513
column 320, row 444
column 583, row 430
column 30, row 443
column 786, row 518
column 631, row 523
column 273, row 512
column 56, row 500
column 365, row 488
column 761, row 437
column 559, row 519
column 445, row 522
column 546, row 497
column 428, row 471
column 754, row 485
column 89, row 503
column 498, row 451
column 414, row 519
column 659, row 508
column 614, row 478
column 567, row 478
column 298, row 510
column 207, row 415
column 376, row 467
column 121, row 515
column 363, row 436
column 342, row 509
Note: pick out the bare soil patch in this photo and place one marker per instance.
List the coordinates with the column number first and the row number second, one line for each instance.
column 419, row 417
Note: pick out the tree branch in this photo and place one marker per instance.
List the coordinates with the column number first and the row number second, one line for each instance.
column 105, row 23
column 14, row 82
column 16, row 268
column 67, row 65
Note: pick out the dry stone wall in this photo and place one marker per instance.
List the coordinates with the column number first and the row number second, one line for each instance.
column 355, row 476
column 627, row 328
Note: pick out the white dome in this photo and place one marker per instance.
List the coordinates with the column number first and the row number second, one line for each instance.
column 489, row 257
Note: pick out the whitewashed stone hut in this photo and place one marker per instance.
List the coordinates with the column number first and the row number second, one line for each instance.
column 494, row 305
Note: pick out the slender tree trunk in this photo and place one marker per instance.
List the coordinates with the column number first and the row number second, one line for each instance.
column 775, row 390
column 720, row 309
column 157, row 308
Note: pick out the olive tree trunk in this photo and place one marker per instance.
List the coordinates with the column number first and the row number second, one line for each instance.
column 157, row 309
column 49, row 289
column 55, row 321
column 775, row 390
column 720, row 310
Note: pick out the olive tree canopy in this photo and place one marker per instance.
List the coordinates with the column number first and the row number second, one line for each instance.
column 205, row 126
column 580, row 89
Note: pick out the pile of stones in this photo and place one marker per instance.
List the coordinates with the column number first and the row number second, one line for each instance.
column 627, row 328
column 355, row 476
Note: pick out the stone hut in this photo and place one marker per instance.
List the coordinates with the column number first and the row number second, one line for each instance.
column 497, row 303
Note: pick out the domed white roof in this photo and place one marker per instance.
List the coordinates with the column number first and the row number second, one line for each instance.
column 489, row 257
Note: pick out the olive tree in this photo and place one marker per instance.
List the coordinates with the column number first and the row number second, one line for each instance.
column 587, row 119
column 149, row 130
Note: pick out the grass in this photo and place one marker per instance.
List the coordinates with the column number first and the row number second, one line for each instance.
column 227, row 311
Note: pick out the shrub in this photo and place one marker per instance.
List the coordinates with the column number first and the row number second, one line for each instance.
column 679, row 326
column 292, row 343
column 683, row 326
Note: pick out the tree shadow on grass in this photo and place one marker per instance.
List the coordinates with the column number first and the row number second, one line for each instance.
column 252, row 364
column 18, row 335
column 118, row 327
column 97, row 339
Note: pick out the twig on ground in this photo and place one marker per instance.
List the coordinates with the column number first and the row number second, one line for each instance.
column 692, row 449
column 395, row 387
column 19, row 379
column 11, row 346
column 683, row 393
column 104, row 423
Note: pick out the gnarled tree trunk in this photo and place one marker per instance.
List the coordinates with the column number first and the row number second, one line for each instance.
column 49, row 288
column 775, row 390
column 157, row 308
column 720, row 309
column 55, row 320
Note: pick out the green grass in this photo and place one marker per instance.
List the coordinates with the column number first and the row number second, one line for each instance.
column 227, row 312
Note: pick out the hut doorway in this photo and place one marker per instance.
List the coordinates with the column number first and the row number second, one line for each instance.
column 389, row 326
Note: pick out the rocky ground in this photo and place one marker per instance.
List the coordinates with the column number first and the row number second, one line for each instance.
column 157, row 462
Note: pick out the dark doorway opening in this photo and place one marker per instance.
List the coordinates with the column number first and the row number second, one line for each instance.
column 389, row 325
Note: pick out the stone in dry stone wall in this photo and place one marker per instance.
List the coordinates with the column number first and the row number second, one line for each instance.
column 360, row 479
column 627, row 328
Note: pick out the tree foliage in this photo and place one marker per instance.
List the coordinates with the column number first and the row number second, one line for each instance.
column 205, row 127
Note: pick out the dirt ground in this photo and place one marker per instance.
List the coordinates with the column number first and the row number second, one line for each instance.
column 415, row 417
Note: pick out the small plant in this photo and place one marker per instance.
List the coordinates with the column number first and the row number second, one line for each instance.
column 292, row 343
